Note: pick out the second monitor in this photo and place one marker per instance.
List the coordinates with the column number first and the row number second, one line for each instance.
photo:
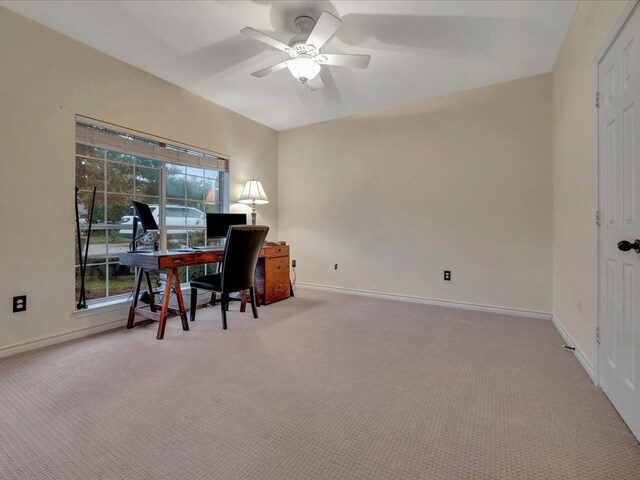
column 218, row 223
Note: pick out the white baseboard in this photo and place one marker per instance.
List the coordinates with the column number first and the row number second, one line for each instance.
column 120, row 304
column 584, row 361
column 433, row 301
column 59, row 338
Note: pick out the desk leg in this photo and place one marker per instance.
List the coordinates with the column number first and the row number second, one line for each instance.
column 181, row 307
column 165, row 305
column 243, row 301
column 255, row 300
column 134, row 300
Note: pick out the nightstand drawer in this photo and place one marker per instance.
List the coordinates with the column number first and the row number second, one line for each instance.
column 275, row 251
column 277, row 291
column 277, row 267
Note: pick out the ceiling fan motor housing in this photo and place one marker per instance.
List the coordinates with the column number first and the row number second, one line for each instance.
column 304, row 24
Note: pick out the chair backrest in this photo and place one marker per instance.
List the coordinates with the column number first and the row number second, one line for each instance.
column 241, row 256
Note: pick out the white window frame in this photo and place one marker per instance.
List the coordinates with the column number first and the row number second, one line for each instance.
column 93, row 133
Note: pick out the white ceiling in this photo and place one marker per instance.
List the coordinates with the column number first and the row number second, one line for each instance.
column 418, row 49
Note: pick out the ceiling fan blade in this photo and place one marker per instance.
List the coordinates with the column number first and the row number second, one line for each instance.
column 272, row 69
column 323, row 30
column 315, row 83
column 264, row 38
column 339, row 60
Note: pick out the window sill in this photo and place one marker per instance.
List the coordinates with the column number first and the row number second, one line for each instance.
column 103, row 307
column 116, row 304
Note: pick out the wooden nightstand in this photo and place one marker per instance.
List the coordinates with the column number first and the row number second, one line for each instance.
column 272, row 274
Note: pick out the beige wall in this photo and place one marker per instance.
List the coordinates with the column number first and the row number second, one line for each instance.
column 574, row 201
column 46, row 80
column 461, row 182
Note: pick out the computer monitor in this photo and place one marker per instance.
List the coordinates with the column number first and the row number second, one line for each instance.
column 143, row 212
column 218, row 223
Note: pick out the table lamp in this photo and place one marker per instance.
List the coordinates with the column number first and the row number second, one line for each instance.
column 253, row 194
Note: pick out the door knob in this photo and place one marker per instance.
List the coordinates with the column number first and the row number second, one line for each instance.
column 626, row 246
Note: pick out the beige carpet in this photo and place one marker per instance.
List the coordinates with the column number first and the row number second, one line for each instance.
column 322, row 386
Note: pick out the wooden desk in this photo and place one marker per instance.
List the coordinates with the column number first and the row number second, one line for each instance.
column 272, row 276
column 169, row 261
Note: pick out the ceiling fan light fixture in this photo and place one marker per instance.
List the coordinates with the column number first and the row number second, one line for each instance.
column 303, row 68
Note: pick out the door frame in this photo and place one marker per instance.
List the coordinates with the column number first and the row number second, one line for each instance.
column 626, row 14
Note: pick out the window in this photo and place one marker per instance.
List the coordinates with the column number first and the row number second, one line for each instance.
column 179, row 184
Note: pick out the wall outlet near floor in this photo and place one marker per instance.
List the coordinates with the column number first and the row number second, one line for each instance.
column 19, row 303
column 293, row 263
column 447, row 275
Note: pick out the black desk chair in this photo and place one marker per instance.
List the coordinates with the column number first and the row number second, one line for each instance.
column 241, row 253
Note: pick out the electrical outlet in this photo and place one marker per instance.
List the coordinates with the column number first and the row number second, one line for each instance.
column 19, row 303
column 335, row 267
column 447, row 275
column 293, row 263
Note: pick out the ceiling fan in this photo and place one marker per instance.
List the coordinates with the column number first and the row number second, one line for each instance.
column 306, row 59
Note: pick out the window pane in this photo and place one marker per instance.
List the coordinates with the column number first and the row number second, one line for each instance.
column 97, row 251
column 195, row 271
column 183, row 274
column 89, row 173
column 119, row 178
column 175, row 211
column 147, row 162
column 84, row 208
column 175, row 186
column 121, row 279
column 195, row 188
column 209, row 208
column 194, row 214
column 195, row 237
column 119, row 241
column 173, row 168
column 212, row 174
column 152, row 201
column 194, row 171
column 147, row 181
column 176, row 239
column 211, row 192
column 90, row 151
column 117, row 207
column 120, row 157
column 95, row 282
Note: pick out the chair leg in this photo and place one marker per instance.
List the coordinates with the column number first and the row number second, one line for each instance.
column 213, row 299
column 194, row 304
column 258, row 294
column 224, row 301
column 252, row 292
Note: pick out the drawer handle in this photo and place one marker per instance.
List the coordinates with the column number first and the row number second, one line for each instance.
column 278, row 267
column 278, row 250
column 278, row 288
column 177, row 261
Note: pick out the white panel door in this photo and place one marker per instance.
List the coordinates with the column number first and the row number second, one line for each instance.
column 619, row 204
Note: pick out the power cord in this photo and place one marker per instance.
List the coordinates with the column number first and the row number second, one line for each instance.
column 293, row 283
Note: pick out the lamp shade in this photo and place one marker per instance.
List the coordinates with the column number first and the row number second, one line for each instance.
column 253, row 193
column 303, row 68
